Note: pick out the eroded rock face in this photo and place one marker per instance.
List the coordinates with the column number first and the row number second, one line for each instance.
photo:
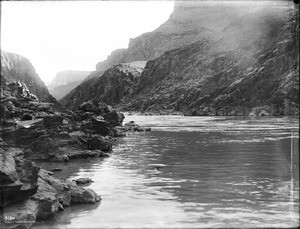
column 18, row 177
column 17, row 68
column 108, row 87
column 20, row 90
column 20, row 215
column 29, row 194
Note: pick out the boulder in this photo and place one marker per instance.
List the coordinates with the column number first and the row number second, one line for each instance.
column 43, row 148
column 41, row 114
column 26, row 117
column 114, row 118
column 48, row 202
column 97, row 142
column 56, row 170
column 68, row 192
column 132, row 126
column 8, row 173
column 18, row 178
column 53, row 121
column 118, row 131
column 90, row 106
column 97, row 126
column 20, row 136
column 27, row 172
column 20, row 215
column 81, row 195
column 83, row 180
column 60, row 158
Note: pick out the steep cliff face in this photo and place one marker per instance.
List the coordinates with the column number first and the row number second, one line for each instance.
column 214, row 58
column 66, row 81
column 256, row 74
column 17, row 68
column 109, row 87
column 189, row 22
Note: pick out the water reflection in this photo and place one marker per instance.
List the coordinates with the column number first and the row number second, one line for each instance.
column 233, row 172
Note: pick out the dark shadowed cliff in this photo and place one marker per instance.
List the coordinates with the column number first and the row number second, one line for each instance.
column 109, row 87
column 222, row 58
column 256, row 74
column 17, row 68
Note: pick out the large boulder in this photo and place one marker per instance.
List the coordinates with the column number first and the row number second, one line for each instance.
column 68, row 192
column 90, row 106
column 118, row 131
column 53, row 121
column 81, row 195
column 97, row 126
column 96, row 142
column 114, row 118
column 47, row 199
column 8, row 173
column 18, row 177
column 43, row 148
column 132, row 126
column 20, row 215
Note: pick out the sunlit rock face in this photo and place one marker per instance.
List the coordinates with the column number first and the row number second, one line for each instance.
column 66, row 81
column 17, row 68
column 215, row 58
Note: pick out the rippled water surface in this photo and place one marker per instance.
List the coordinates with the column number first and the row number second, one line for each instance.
column 213, row 172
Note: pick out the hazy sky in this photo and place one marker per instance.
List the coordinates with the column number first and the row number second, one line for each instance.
column 75, row 35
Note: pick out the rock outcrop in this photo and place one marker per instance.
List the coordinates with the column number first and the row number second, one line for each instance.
column 16, row 68
column 29, row 193
column 109, row 87
column 211, row 58
column 45, row 134
column 66, row 81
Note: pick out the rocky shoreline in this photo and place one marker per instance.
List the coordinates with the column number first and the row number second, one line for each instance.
column 34, row 130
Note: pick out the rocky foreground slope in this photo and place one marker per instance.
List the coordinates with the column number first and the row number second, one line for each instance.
column 17, row 68
column 222, row 59
column 33, row 130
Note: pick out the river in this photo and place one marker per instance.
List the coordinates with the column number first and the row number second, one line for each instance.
column 192, row 172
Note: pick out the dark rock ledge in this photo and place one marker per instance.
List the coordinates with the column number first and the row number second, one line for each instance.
column 34, row 130
column 29, row 193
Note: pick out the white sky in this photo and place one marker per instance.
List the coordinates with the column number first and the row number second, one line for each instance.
column 75, row 35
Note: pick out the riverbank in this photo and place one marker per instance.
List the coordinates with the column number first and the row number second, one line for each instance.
column 35, row 130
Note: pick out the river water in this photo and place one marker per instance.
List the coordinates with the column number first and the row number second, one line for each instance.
column 212, row 172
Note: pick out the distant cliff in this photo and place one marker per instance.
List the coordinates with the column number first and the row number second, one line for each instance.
column 215, row 58
column 17, row 68
column 66, row 81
